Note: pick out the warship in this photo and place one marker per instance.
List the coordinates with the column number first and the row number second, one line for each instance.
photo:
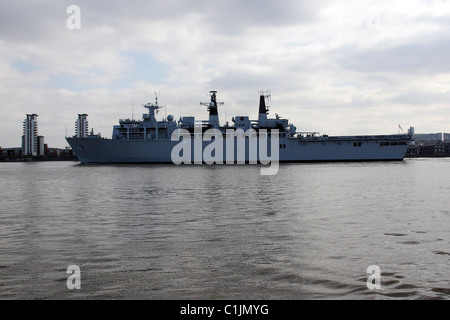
column 169, row 141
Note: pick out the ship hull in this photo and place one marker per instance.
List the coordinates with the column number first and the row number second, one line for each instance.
column 372, row 148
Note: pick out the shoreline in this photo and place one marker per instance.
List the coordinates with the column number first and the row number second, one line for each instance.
column 75, row 158
column 37, row 158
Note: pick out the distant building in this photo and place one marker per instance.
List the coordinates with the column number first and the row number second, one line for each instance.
column 81, row 126
column 60, row 153
column 40, row 146
column 435, row 150
column 11, row 152
column 425, row 138
column 32, row 144
column 430, row 149
column 30, row 135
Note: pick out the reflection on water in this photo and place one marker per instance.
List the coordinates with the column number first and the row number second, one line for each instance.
column 225, row 232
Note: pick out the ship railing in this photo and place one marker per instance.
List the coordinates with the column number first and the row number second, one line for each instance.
column 307, row 134
column 129, row 121
column 316, row 136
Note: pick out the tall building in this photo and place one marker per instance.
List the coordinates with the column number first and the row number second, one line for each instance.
column 81, row 126
column 40, row 146
column 30, row 135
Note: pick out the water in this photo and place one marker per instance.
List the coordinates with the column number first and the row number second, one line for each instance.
column 225, row 232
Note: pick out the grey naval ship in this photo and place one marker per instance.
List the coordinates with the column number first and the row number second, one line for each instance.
column 151, row 141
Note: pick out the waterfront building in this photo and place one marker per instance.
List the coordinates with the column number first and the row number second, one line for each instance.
column 30, row 135
column 81, row 126
column 435, row 150
column 40, row 146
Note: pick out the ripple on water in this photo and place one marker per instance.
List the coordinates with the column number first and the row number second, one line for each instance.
column 156, row 232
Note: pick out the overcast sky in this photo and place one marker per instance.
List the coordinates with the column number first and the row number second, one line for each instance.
column 337, row 67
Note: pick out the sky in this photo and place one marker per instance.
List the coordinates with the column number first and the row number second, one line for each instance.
column 336, row 67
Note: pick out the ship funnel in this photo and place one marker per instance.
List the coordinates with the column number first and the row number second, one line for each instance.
column 263, row 109
column 262, row 105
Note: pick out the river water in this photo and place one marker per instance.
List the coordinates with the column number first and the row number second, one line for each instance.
column 225, row 231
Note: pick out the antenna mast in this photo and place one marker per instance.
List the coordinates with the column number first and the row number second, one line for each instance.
column 212, row 108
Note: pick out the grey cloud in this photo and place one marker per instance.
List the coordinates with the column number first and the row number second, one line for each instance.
column 226, row 16
column 423, row 98
column 31, row 21
column 38, row 21
column 235, row 16
column 235, row 79
column 411, row 58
